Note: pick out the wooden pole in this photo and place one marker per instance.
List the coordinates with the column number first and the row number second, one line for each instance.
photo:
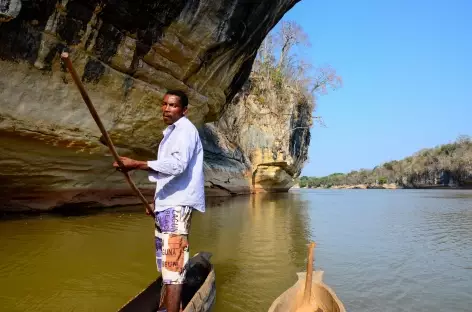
column 88, row 102
column 309, row 274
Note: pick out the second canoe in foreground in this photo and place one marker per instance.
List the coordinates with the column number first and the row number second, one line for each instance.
column 198, row 293
column 309, row 294
column 323, row 298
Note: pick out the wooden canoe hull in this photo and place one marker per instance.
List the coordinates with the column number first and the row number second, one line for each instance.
column 322, row 296
column 198, row 295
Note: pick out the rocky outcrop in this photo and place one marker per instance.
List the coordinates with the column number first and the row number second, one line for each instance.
column 9, row 9
column 272, row 131
column 128, row 53
column 227, row 169
column 389, row 186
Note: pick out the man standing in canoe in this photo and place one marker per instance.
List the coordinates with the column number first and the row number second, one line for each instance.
column 178, row 173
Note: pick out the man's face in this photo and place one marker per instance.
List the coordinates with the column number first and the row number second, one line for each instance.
column 172, row 109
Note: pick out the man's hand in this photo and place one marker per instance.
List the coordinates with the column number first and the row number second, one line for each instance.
column 152, row 209
column 130, row 164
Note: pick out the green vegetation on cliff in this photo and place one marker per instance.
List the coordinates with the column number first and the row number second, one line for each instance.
column 448, row 164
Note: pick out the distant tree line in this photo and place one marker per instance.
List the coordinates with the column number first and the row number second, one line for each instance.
column 448, row 164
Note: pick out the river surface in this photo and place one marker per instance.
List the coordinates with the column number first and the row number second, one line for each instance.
column 381, row 250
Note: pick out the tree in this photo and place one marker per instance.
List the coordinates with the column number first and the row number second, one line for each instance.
column 278, row 68
column 325, row 77
column 383, row 180
column 291, row 34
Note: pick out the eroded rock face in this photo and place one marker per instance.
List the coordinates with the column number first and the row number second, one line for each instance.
column 9, row 9
column 128, row 54
column 226, row 167
column 272, row 132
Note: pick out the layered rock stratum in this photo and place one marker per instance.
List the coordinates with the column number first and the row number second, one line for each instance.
column 128, row 53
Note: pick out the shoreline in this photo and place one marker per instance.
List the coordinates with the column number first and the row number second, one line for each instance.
column 99, row 201
column 93, row 208
column 92, row 201
column 395, row 187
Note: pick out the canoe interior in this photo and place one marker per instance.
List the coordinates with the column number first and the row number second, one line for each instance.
column 198, row 273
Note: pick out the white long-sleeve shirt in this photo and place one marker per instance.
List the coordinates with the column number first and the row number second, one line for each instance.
column 179, row 168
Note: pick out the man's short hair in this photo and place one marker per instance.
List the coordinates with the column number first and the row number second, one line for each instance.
column 181, row 94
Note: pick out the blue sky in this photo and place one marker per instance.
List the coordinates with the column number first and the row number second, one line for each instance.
column 406, row 67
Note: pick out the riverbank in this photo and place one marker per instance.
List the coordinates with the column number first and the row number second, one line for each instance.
column 390, row 186
column 102, row 201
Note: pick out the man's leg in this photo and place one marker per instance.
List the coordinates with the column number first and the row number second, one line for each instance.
column 173, row 297
column 176, row 257
column 174, row 224
column 158, row 236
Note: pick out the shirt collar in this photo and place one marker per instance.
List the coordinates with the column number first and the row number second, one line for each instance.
column 179, row 122
column 174, row 125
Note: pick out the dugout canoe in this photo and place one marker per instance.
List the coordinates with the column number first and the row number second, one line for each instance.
column 198, row 294
column 323, row 298
column 309, row 293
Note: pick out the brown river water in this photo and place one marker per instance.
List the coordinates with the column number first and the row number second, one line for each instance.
column 381, row 250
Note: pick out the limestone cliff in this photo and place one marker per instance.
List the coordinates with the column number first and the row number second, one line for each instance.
column 128, row 53
column 271, row 131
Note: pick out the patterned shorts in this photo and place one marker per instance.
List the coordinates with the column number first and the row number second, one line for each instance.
column 172, row 248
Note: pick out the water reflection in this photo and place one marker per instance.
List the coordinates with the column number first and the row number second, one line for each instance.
column 259, row 242
column 98, row 261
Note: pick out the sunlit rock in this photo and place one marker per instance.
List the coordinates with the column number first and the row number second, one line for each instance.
column 128, row 53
